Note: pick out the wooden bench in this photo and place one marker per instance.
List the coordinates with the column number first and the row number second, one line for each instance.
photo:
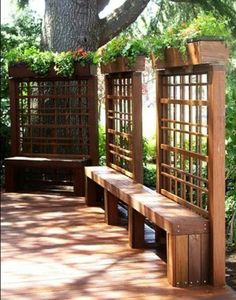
column 15, row 165
column 187, row 232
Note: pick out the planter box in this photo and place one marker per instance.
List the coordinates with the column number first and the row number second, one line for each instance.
column 21, row 70
column 121, row 64
column 198, row 52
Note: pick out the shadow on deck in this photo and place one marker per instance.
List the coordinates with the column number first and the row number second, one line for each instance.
column 54, row 247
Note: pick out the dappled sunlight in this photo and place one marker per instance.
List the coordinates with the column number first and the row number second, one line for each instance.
column 55, row 247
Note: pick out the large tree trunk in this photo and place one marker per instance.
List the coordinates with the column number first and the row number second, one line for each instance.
column 70, row 24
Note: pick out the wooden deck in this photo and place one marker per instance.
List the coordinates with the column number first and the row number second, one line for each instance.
column 54, row 247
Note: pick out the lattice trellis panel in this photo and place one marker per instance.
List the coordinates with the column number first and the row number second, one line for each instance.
column 183, row 138
column 123, row 123
column 54, row 118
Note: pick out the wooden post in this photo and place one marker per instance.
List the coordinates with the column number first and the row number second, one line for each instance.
column 79, row 181
column 15, row 128
column 93, row 119
column 216, row 172
column 92, row 192
column 136, row 228
column 137, row 126
column 111, row 208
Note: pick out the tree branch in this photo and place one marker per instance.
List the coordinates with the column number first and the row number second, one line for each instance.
column 102, row 4
column 120, row 19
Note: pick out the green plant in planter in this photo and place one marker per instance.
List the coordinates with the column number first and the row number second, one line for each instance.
column 124, row 46
column 206, row 26
column 40, row 62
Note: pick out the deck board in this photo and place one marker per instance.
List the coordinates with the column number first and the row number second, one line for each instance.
column 54, row 247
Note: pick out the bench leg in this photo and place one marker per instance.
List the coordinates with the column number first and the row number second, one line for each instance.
column 187, row 259
column 111, row 208
column 136, row 229
column 79, row 181
column 10, row 179
column 93, row 192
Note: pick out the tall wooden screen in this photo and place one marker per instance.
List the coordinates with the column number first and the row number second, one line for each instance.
column 54, row 117
column 124, row 123
column 191, row 147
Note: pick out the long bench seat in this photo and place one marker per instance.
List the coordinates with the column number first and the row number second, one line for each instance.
column 14, row 166
column 187, row 232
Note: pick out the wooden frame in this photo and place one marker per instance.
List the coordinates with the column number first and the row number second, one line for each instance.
column 54, row 117
column 123, row 123
column 205, row 94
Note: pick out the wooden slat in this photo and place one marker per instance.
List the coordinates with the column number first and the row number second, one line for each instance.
column 181, row 201
column 171, row 259
column 135, row 228
column 182, row 254
column 111, row 208
column 184, row 102
column 184, row 152
column 184, row 123
column 205, row 258
column 195, row 259
column 184, row 131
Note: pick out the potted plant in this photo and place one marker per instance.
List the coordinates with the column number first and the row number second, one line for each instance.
column 123, row 54
column 33, row 63
column 199, row 41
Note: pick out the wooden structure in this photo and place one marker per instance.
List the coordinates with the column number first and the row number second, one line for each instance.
column 187, row 232
column 189, row 202
column 124, row 117
column 191, row 151
column 53, row 121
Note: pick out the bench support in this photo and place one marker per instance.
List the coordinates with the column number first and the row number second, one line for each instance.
column 136, row 228
column 111, row 208
column 187, row 259
column 93, row 192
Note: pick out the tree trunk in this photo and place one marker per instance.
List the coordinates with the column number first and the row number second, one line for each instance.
column 71, row 24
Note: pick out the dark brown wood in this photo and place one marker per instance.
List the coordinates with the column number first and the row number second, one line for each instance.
column 123, row 123
column 195, row 259
column 181, row 260
column 21, row 70
column 122, row 64
column 216, row 177
column 14, row 112
column 111, row 208
column 137, row 127
column 15, row 167
column 93, row 192
column 136, row 229
column 198, row 52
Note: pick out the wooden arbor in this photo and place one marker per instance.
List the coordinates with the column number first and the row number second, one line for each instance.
column 124, row 117
column 54, row 125
column 191, row 148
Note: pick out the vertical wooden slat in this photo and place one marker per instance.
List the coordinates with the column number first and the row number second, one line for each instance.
column 14, row 111
column 135, row 228
column 137, row 126
column 205, row 265
column 93, row 117
column 194, row 259
column 111, row 208
column 79, row 181
column 91, row 192
column 171, row 259
column 216, row 167
column 181, row 260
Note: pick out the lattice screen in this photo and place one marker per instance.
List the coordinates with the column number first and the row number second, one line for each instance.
column 183, row 137
column 123, row 108
column 54, row 118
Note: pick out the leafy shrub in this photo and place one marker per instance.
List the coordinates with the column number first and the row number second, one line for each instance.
column 149, row 175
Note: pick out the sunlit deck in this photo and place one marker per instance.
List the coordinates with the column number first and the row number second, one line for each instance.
column 54, row 247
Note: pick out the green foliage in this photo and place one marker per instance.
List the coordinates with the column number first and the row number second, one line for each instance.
column 178, row 34
column 22, row 34
column 126, row 46
column 40, row 62
column 149, row 175
column 101, row 144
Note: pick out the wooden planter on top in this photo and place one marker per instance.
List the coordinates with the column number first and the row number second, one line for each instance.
column 122, row 64
column 21, row 70
column 198, row 52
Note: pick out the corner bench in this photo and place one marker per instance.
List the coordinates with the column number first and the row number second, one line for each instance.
column 187, row 232
column 14, row 164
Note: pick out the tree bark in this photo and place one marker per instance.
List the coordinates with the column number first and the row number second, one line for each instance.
column 71, row 24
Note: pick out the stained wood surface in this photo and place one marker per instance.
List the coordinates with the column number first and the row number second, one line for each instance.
column 167, row 214
column 54, row 247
